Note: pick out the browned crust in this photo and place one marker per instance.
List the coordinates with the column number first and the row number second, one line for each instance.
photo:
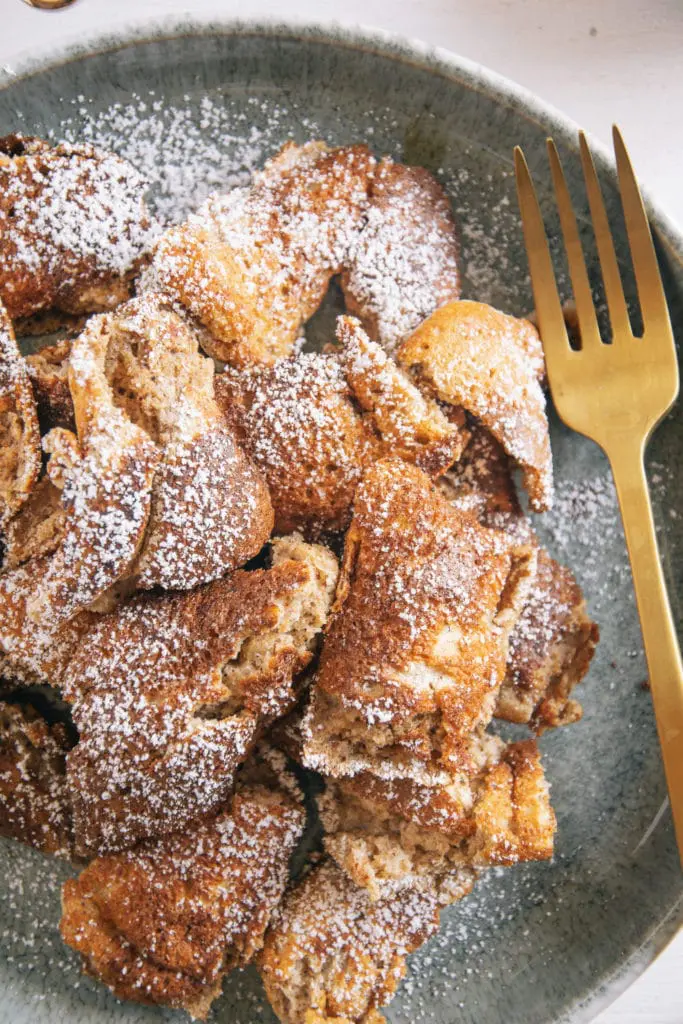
column 211, row 512
column 333, row 954
column 44, row 189
column 163, row 923
column 254, row 265
column 473, row 356
column 19, row 434
column 34, row 804
column 551, row 650
column 405, row 264
column 170, row 693
column 416, row 646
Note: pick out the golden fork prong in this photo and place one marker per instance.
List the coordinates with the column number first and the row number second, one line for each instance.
column 546, row 296
column 651, row 296
column 583, row 295
column 611, row 277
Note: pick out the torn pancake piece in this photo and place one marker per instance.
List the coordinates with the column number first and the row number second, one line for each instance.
column 389, row 835
column 472, row 356
column 332, row 955
column 405, row 263
column 314, row 422
column 554, row 641
column 19, row 434
column 164, row 922
column 416, row 646
column 551, row 649
column 34, row 800
column 169, row 694
column 253, row 264
column 74, row 227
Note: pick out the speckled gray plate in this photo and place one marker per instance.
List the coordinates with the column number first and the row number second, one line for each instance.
column 535, row 944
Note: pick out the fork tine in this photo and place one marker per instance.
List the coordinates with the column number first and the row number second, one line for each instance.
column 583, row 296
column 611, row 277
column 648, row 279
column 544, row 286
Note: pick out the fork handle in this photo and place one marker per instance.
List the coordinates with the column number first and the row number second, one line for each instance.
column 659, row 634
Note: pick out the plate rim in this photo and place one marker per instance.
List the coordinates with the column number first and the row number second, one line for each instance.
column 473, row 75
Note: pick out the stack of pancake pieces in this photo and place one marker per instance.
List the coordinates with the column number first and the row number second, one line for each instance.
column 231, row 566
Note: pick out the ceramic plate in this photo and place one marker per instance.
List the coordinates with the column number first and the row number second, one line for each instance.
column 198, row 107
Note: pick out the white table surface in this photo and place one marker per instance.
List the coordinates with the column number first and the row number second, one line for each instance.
column 598, row 61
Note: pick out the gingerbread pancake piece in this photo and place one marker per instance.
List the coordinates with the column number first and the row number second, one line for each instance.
column 252, row 265
column 389, row 835
column 163, row 923
column 19, row 434
column 314, row 422
column 410, row 424
column 31, row 650
column 74, row 227
column 34, row 800
column 169, row 694
column 551, row 649
column 474, row 357
column 416, row 646
column 553, row 643
column 405, row 264
column 300, row 426
column 331, row 954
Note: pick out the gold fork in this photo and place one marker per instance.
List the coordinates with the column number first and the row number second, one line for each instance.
column 616, row 394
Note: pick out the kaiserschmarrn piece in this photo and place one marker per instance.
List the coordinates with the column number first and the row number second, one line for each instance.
column 157, row 491
column 389, row 835
column 34, row 801
column 416, row 646
column 34, row 650
column 404, row 264
column 552, row 645
column 169, row 694
column 474, row 357
column 19, row 433
column 163, row 923
column 253, row 264
column 74, row 227
column 313, row 422
column 332, row 956
column 551, row 649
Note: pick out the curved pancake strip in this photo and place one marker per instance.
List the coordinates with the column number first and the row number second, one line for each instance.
column 405, row 263
column 74, row 227
column 19, row 434
column 475, row 357
column 252, row 265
